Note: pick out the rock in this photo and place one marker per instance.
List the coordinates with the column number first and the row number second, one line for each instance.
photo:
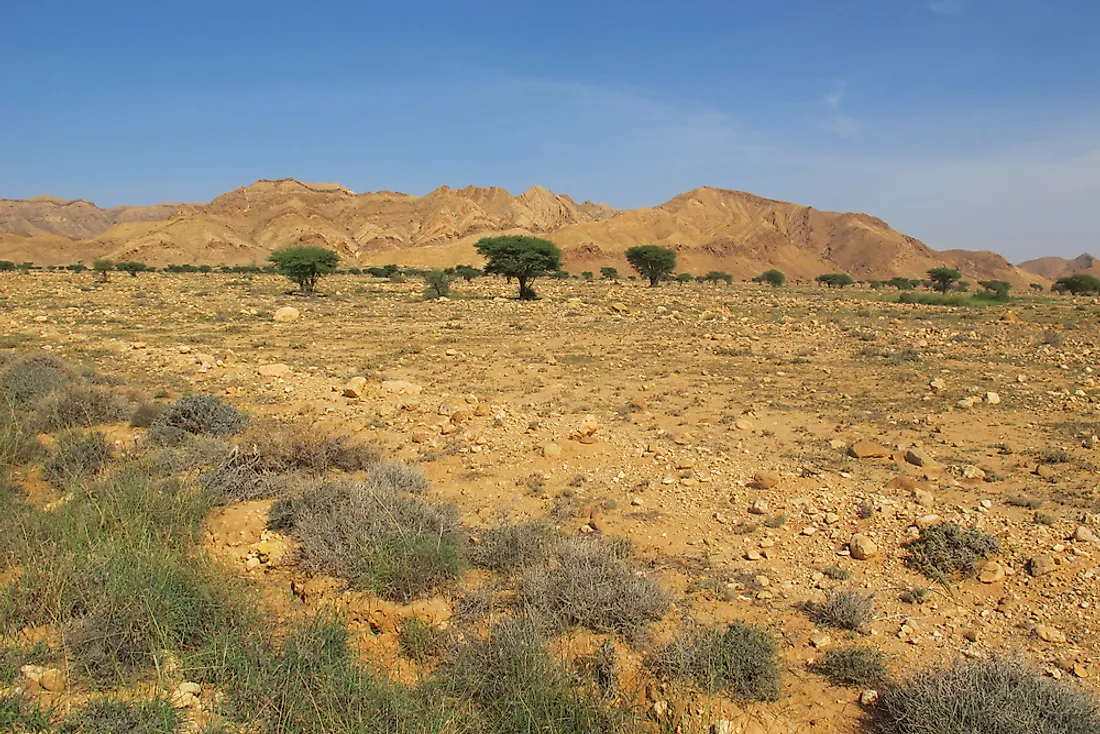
column 1041, row 565
column 967, row 403
column 401, row 386
column 274, row 370
column 991, row 572
column 992, row 398
column 551, row 450
column 187, row 687
column 586, row 432
column 759, row 507
column 809, row 530
column 868, row 697
column 923, row 498
column 921, row 458
column 355, row 387
column 926, row 521
column 765, row 480
column 620, row 308
column 938, row 384
column 52, row 680
column 420, row 435
column 1011, row 317
column 862, row 547
column 1046, row 633
column 286, row 314
column 868, row 450
column 1085, row 535
column 972, row 472
column 742, row 425
column 1080, row 670
column 820, row 640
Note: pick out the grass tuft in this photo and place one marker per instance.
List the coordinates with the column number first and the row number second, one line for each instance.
column 739, row 659
column 945, row 550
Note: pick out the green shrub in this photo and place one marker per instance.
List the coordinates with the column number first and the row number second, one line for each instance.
column 145, row 415
column 997, row 694
column 421, row 641
column 198, row 415
column 845, row 609
column 740, row 660
column 304, row 265
column 510, row 547
column 373, row 535
column 513, row 683
column 77, row 406
column 78, row 456
column 109, row 716
column 852, row 666
column 589, row 583
column 20, row 715
column 18, row 446
column 437, row 284
column 29, row 378
column 945, row 550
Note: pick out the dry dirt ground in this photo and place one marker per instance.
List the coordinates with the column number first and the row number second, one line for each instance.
column 712, row 426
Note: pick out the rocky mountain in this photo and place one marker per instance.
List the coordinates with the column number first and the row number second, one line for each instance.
column 712, row 229
column 1053, row 268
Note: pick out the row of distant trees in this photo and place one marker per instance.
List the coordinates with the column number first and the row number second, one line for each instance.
column 526, row 258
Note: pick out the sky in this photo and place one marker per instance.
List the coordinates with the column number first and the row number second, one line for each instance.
column 966, row 123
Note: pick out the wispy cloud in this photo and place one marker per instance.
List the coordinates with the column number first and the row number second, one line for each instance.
column 839, row 123
column 947, row 7
column 836, row 96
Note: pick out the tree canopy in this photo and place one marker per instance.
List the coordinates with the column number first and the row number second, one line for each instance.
column 652, row 261
column 943, row 278
column 304, row 265
column 835, row 280
column 521, row 257
column 773, row 277
column 1077, row 284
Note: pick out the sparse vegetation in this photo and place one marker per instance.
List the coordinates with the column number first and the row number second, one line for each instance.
column 510, row 547
column 945, row 550
column 304, row 265
column 773, row 277
column 995, row 694
column 196, row 415
column 520, row 257
column 738, row 659
column 437, row 284
column 845, row 609
column 653, row 262
column 855, row 665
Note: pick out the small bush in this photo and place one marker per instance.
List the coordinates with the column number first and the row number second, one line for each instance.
column 914, row 594
column 421, row 641
column 77, row 407
column 107, row 716
column 437, row 284
column 944, row 550
column 852, row 666
column 997, row 694
column 392, row 542
column 845, row 609
column 741, row 660
column 78, row 456
column 588, row 583
column 26, row 380
column 145, row 414
column 516, row 686
column 298, row 448
column 506, row 548
column 20, row 715
column 198, row 415
column 18, row 446
column 837, row 572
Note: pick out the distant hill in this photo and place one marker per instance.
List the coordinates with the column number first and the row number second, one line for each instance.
column 712, row 229
column 1053, row 268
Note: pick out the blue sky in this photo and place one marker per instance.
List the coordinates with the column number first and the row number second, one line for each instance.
column 966, row 123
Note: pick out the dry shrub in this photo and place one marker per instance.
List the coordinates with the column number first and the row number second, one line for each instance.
column 77, row 406
column 509, row 547
column 845, row 609
column 78, row 456
column 852, row 666
column 590, row 583
column 196, row 415
column 739, row 659
column 944, row 550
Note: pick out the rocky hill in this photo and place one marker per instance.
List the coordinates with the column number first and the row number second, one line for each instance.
column 712, row 229
column 1053, row 268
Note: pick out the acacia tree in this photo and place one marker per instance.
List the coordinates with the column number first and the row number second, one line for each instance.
column 133, row 268
column 835, row 280
column 652, row 261
column 1077, row 284
column 943, row 278
column 103, row 268
column 521, row 257
column 304, row 265
column 773, row 277
column 609, row 273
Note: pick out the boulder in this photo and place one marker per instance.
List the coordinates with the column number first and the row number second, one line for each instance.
column 355, row 387
column 868, row 450
column 274, row 370
column 862, row 547
column 286, row 314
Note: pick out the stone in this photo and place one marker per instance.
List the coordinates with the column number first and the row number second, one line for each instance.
column 938, row 384
column 274, row 370
column 420, row 435
column 919, row 457
column 991, row 572
column 1042, row 565
column 1046, row 633
column 1011, row 317
column 820, row 640
column 923, row 498
column 355, row 387
column 551, row 450
column 401, row 386
column 187, row 687
column 868, row 450
column 586, row 432
column 52, row 680
column 925, row 521
column 620, row 308
column 759, row 507
column 809, row 530
column 868, row 697
column 742, row 425
column 862, row 547
column 286, row 314
column 992, row 398
column 967, row 403
column 1085, row 535
column 765, row 480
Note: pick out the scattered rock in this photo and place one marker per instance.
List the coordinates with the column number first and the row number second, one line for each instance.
column 274, row 370
column 991, row 572
column 759, row 507
column 919, row 457
column 992, row 398
column 1041, row 565
column 586, row 433
column 551, row 450
column 765, row 480
column 868, row 450
column 868, row 697
column 1046, row 633
column 820, row 640
column 355, row 387
column 1085, row 535
column 862, row 547
column 286, row 314
column 401, row 386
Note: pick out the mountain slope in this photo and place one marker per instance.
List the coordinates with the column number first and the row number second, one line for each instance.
column 1053, row 268
column 712, row 229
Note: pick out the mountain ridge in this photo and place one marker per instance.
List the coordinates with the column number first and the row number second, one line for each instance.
column 711, row 228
